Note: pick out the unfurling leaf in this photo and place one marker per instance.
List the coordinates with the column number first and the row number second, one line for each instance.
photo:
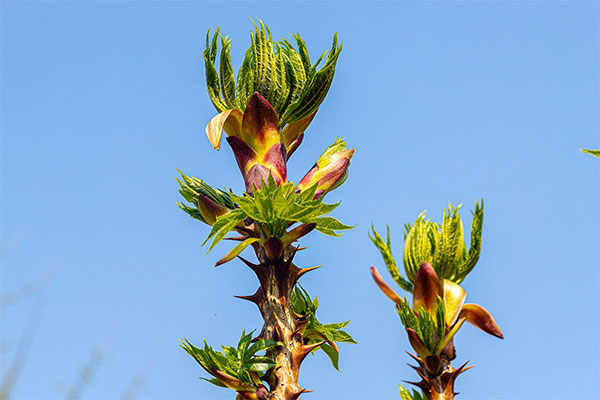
column 278, row 71
column 385, row 248
column 233, row 253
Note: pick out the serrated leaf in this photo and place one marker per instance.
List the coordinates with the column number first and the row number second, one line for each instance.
column 224, row 224
column 331, row 223
column 260, row 364
column 385, row 249
column 475, row 247
column 262, row 345
column 333, row 355
column 226, row 74
column 212, row 76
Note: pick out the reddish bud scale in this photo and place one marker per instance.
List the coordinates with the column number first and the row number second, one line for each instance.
column 328, row 173
column 427, row 289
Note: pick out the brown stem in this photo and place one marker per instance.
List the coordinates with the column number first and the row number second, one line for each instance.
column 277, row 279
column 438, row 386
column 280, row 325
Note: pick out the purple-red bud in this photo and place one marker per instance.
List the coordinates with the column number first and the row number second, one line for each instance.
column 426, row 289
column 210, row 210
column 330, row 171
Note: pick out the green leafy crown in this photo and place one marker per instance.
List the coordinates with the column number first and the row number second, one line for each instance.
column 281, row 73
column 441, row 245
column 274, row 209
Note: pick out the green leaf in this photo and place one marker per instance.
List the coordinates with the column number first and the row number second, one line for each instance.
column 245, row 82
column 592, row 152
column 279, row 72
column 192, row 212
column 212, row 76
column 333, row 355
column 385, row 249
column 214, row 381
column 240, row 364
column 314, row 331
column 429, row 328
column 443, row 246
column 419, row 246
column 190, row 188
column 226, row 74
column 452, row 251
column 331, row 223
column 233, row 253
column 475, row 249
column 316, row 89
column 279, row 207
column 405, row 394
column 260, row 364
column 224, row 224
column 262, row 345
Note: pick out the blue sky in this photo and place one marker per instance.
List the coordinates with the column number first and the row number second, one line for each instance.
column 445, row 102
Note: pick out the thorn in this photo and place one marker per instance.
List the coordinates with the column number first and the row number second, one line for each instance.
column 412, row 366
column 258, row 269
column 248, row 263
column 303, row 271
column 292, row 253
column 421, row 374
column 254, row 298
column 310, row 347
column 417, row 359
column 301, row 352
column 462, row 368
column 292, row 394
column 421, row 385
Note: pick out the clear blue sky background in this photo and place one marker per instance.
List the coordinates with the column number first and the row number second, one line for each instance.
column 445, row 102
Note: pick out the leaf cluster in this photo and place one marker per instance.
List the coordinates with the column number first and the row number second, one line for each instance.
column 241, row 363
column 191, row 187
column 280, row 72
column 315, row 331
column 430, row 328
column 441, row 245
column 275, row 208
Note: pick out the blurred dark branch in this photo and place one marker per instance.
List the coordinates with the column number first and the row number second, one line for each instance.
column 139, row 378
column 29, row 289
column 90, row 368
column 86, row 374
column 20, row 357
